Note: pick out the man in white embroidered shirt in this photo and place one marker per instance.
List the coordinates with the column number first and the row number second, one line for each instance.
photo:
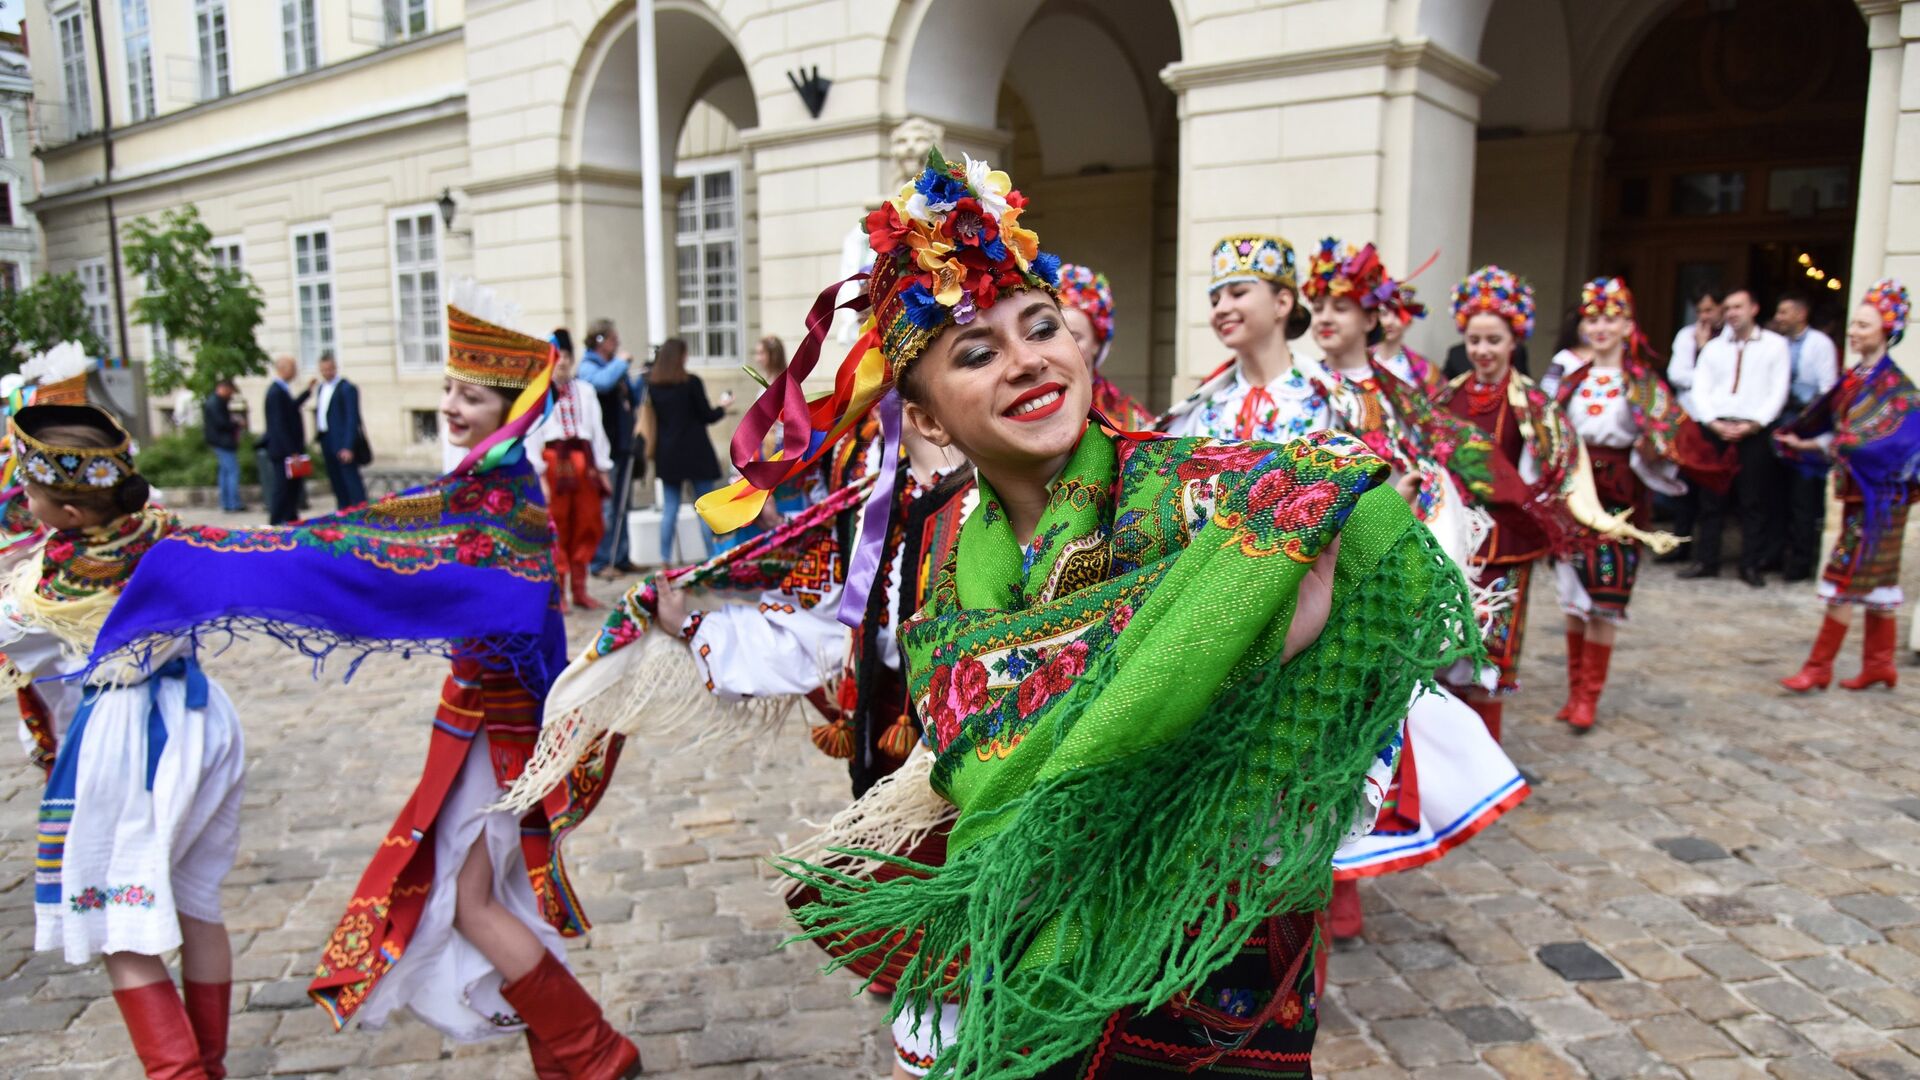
column 1740, row 384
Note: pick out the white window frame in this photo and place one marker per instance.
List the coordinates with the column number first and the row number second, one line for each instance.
column 305, row 42
column 432, row 344
column 694, row 173
column 98, row 301
column 327, row 332
column 136, row 38
column 394, row 16
column 73, row 72
column 215, row 49
column 229, row 251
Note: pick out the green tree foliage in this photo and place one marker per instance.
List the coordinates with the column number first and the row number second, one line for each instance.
column 35, row 319
column 211, row 313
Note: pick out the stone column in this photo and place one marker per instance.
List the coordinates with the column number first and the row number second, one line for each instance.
column 1886, row 235
column 1364, row 140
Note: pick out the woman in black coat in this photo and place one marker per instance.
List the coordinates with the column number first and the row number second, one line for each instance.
column 682, row 454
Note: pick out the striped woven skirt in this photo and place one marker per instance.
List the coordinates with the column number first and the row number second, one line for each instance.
column 1862, row 573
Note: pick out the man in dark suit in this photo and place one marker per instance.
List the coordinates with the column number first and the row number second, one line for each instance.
column 286, row 439
column 343, row 439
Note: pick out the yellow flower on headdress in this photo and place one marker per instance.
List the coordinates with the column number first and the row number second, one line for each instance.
column 1025, row 243
column 948, row 278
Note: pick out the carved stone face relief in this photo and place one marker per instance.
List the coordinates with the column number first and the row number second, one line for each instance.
column 910, row 144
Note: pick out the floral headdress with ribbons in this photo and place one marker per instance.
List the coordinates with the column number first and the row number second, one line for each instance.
column 1493, row 291
column 1404, row 304
column 1339, row 271
column 1087, row 291
column 70, row 469
column 947, row 247
column 482, row 351
column 1253, row 257
column 1889, row 297
column 1610, row 296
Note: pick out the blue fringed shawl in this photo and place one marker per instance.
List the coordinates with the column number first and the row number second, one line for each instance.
column 464, row 564
column 1872, row 415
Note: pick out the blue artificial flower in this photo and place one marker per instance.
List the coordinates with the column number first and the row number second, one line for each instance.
column 995, row 250
column 942, row 192
column 1047, row 266
column 922, row 309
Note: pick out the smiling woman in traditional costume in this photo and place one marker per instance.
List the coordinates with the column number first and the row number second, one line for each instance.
column 1555, row 509
column 1256, row 311
column 1091, row 669
column 1869, row 424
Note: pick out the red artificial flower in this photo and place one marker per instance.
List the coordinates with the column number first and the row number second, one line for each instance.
column 969, row 226
column 1016, row 200
column 886, row 230
column 328, row 534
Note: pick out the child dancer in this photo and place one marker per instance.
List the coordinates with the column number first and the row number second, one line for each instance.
column 141, row 817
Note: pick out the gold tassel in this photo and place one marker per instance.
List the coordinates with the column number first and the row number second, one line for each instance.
column 899, row 739
column 835, row 739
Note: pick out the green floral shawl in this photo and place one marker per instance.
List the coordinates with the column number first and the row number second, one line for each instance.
column 1141, row 779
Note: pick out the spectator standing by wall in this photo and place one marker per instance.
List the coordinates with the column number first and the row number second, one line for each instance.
column 286, row 443
column 222, row 432
column 1816, row 367
column 1740, row 383
column 608, row 369
column 343, row 438
column 684, row 455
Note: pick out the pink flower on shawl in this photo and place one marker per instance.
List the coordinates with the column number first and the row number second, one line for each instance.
column 968, row 693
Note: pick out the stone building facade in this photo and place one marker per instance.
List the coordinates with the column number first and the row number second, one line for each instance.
column 1537, row 133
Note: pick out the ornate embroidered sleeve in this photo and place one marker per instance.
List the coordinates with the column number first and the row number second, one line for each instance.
column 775, row 648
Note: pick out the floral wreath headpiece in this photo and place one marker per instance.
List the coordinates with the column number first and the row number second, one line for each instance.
column 1606, row 296
column 1087, row 291
column 1338, row 271
column 1404, row 304
column 70, row 469
column 1253, row 257
column 1890, row 298
column 947, row 247
column 1493, row 291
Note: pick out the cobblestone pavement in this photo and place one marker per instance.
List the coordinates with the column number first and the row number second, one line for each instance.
column 1746, row 867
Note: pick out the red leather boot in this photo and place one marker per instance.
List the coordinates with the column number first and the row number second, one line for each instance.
column 1593, row 678
column 1344, row 917
column 1576, row 647
column 545, row 1065
column 1876, row 656
column 580, row 598
column 208, row 1007
column 1817, row 672
column 162, row 1037
column 564, row 1018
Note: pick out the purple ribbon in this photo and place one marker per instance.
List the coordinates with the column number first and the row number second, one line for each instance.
column 864, row 569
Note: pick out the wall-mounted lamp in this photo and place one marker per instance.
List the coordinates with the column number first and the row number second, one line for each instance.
column 447, row 207
column 812, row 89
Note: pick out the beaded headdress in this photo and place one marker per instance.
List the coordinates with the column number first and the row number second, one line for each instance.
column 70, row 469
column 1088, row 292
column 1889, row 297
column 947, row 247
column 1493, row 291
column 482, row 351
column 1336, row 271
column 1253, row 257
column 1606, row 296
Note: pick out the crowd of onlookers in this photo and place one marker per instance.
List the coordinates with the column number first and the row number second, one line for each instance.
column 1742, row 380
